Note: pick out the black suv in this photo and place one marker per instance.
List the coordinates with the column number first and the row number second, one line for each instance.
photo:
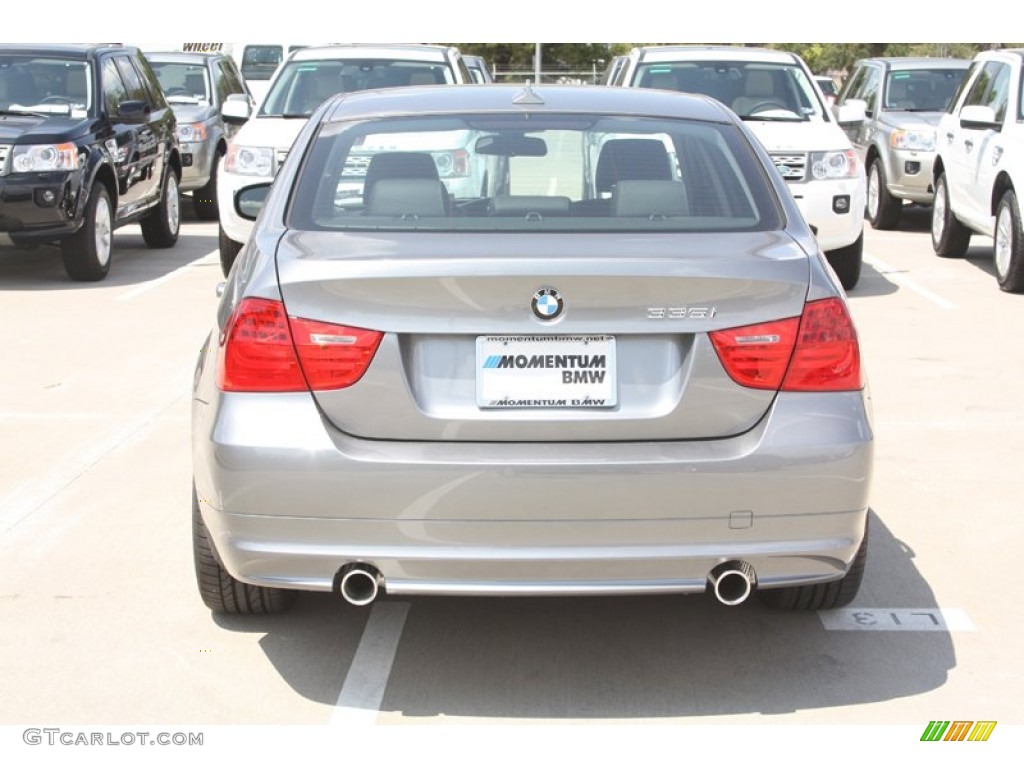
column 87, row 144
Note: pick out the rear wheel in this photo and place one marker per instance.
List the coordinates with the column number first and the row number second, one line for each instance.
column 86, row 253
column 1009, row 244
column 160, row 228
column 847, row 262
column 817, row 597
column 221, row 592
column 883, row 209
column 950, row 238
column 228, row 250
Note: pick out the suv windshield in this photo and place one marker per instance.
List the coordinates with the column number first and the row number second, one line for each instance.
column 921, row 90
column 754, row 90
column 523, row 173
column 45, row 85
column 303, row 85
column 183, row 83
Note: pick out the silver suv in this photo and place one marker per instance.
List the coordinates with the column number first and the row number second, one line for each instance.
column 893, row 106
column 197, row 86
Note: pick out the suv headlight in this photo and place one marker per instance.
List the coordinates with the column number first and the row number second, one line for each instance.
column 250, row 161
column 454, row 163
column 33, row 158
column 834, row 165
column 923, row 140
column 191, row 132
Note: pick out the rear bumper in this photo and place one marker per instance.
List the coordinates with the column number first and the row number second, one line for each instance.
column 288, row 501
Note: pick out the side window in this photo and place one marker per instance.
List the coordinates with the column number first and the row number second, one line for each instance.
column 230, row 77
column 872, row 85
column 991, row 89
column 975, row 65
column 114, row 91
column 132, row 81
column 155, row 94
column 464, row 71
column 220, row 84
column 853, row 86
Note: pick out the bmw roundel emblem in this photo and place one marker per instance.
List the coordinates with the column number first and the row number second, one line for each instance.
column 547, row 304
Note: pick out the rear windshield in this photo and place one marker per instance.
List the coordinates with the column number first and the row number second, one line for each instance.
column 921, row 90
column 530, row 172
column 303, row 85
column 753, row 90
column 259, row 62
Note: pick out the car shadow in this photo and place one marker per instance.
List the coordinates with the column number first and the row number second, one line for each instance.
column 132, row 262
column 872, row 283
column 624, row 658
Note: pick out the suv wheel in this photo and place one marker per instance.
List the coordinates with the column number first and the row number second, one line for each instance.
column 883, row 210
column 228, row 250
column 817, row 597
column 950, row 238
column 86, row 253
column 205, row 199
column 847, row 262
column 221, row 592
column 1009, row 244
column 160, row 228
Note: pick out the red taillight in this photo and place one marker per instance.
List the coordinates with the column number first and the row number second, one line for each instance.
column 333, row 356
column 827, row 355
column 817, row 352
column 258, row 351
column 757, row 355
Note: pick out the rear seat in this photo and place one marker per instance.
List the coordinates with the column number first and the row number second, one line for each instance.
column 650, row 199
column 532, row 206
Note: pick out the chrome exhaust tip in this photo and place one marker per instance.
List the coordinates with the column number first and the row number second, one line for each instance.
column 732, row 582
column 359, row 583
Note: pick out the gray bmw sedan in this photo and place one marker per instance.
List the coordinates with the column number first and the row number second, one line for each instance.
column 507, row 340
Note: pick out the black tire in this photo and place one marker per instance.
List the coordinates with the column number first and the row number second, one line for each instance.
column 847, row 262
column 1008, row 252
column 950, row 238
column 205, row 199
column 86, row 253
column 228, row 250
column 221, row 592
column 818, row 597
column 883, row 210
column 160, row 228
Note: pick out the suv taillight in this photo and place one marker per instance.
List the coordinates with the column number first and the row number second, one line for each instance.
column 817, row 352
column 264, row 350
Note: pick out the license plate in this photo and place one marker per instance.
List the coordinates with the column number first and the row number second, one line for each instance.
column 545, row 372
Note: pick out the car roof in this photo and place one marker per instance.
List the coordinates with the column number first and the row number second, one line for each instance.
column 183, row 57
column 68, row 50
column 920, row 62
column 578, row 99
column 356, row 51
column 671, row 53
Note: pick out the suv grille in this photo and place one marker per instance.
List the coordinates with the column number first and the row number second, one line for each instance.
column 791, row 167
column 5, row 150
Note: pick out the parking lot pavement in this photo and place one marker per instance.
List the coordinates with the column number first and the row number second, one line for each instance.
column 96, row 573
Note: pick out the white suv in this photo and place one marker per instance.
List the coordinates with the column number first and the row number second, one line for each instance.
column 979, row 164
column 776, row 95
column 302, row 82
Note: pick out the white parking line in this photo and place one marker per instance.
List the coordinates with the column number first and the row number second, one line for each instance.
column 363, row 691
column 208, row 258
column 900, row 278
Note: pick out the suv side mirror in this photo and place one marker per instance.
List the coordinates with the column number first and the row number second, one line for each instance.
column 852, row 111
column 132, row 108
column 236, row 109
column 978, row 118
